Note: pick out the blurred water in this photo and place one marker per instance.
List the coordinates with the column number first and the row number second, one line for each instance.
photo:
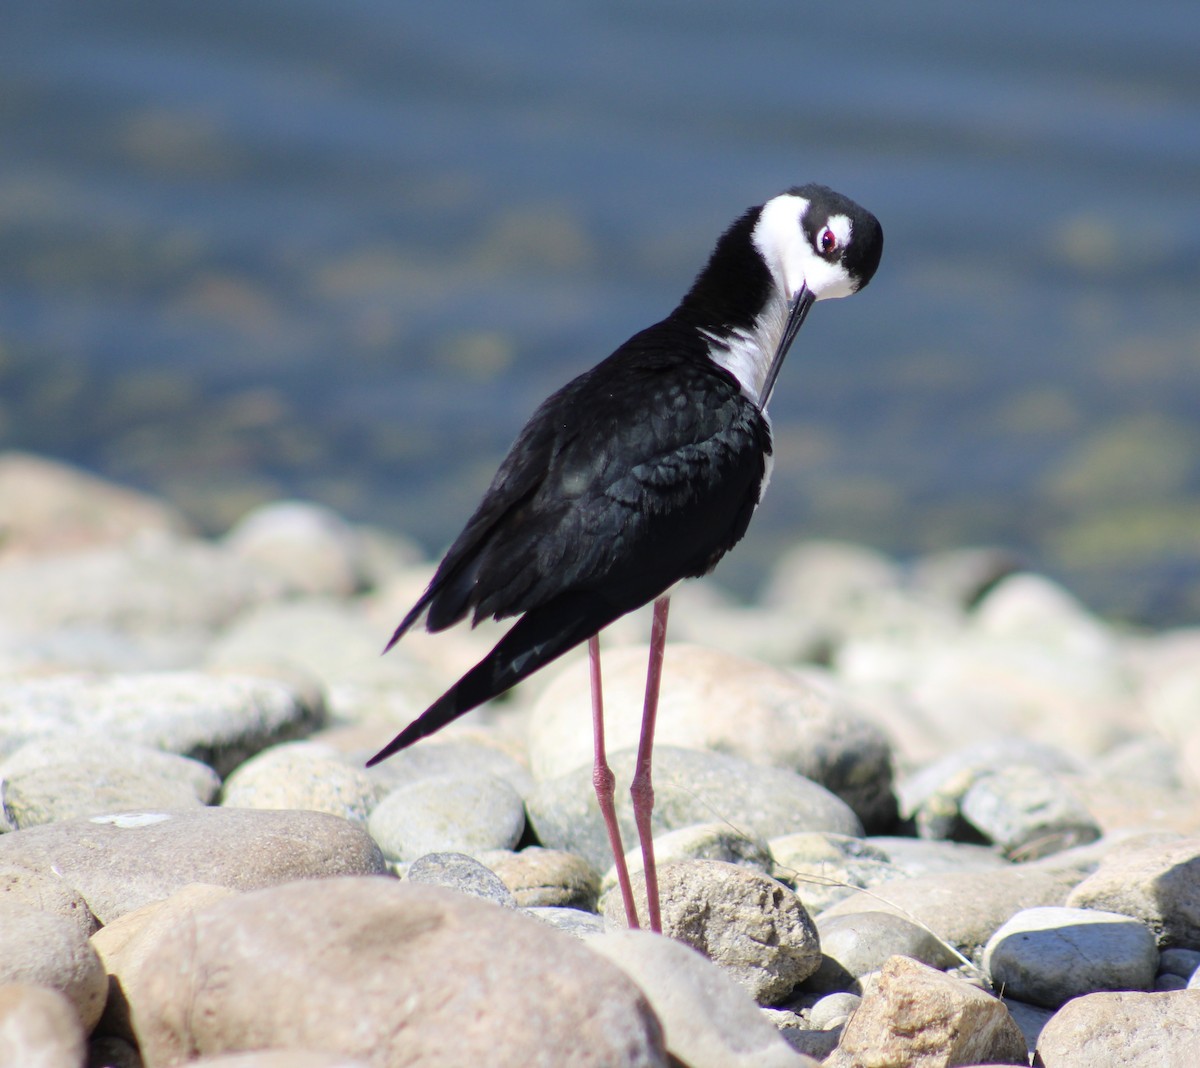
column 342, row 250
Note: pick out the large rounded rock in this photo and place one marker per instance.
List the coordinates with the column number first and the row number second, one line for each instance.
column 690, row 787
column 398, row 974
column 124, row 945
column 51, row 507
column 119, row 863
column 1158, row 883
column 1049, row 955
column 708, row 1020
column 1129, row 1029
column 752, row 926
column 312, row 549
column 713, row 700
column 47, row 950
column 302, row 775
column 859, row 943
column 448, row 813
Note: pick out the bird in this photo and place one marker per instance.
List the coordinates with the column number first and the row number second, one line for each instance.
column 639, row 473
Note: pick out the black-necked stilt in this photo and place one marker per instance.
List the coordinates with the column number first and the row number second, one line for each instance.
column 641, row 472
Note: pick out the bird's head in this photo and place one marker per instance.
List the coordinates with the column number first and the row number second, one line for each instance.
column 817, row 241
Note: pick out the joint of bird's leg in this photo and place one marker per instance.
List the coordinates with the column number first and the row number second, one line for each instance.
column 603, row 779
column 642, row 792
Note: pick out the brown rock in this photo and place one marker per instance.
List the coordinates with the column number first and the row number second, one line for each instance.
column 125, row 943
column 751, row 925
column 398, row 974
column 916, row 1016
column 119, row 863
column 1158, row 884
column 39, row 1028
column 541, row 877
column 1123, row 1030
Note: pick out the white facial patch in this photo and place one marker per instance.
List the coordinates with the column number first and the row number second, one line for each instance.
column 782, row 242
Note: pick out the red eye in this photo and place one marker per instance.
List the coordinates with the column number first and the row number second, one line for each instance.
column 828, row 241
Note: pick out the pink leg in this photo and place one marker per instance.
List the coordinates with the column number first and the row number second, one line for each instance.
column 642, row 788
column 605, row 784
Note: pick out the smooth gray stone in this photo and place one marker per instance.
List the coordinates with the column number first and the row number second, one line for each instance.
column 448, row 813
column 1178, row 961
column 1047, row 956
column 833, row 1010
column 1028, row 813
column 857, row 944
column 457, row 871
column 39, row 1028
column 690, row 786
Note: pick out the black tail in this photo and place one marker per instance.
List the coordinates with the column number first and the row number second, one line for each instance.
column 540, row 636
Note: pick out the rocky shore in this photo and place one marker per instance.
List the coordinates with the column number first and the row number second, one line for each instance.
column 935, row 814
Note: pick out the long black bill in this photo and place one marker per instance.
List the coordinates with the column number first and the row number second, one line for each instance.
column 803, row 300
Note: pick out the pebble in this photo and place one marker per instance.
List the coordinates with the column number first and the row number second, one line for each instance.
column 859, row 943
column 42, row 949
column 463, row 874
column 546, row 878
column 833, row 1010
column 690, row 786
column 1181, row 962
column 729, row 704
column 1046, row 956
column 751, row 925
column 916, row 1015
column 391, row 972
column 301, row 775
column 448, row 813
column 1125, row 1030
column 708, row 1019
column 119, row 863
column 39, row 1028
column 919, row 856
column 1158, row 884
column 219, row 720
